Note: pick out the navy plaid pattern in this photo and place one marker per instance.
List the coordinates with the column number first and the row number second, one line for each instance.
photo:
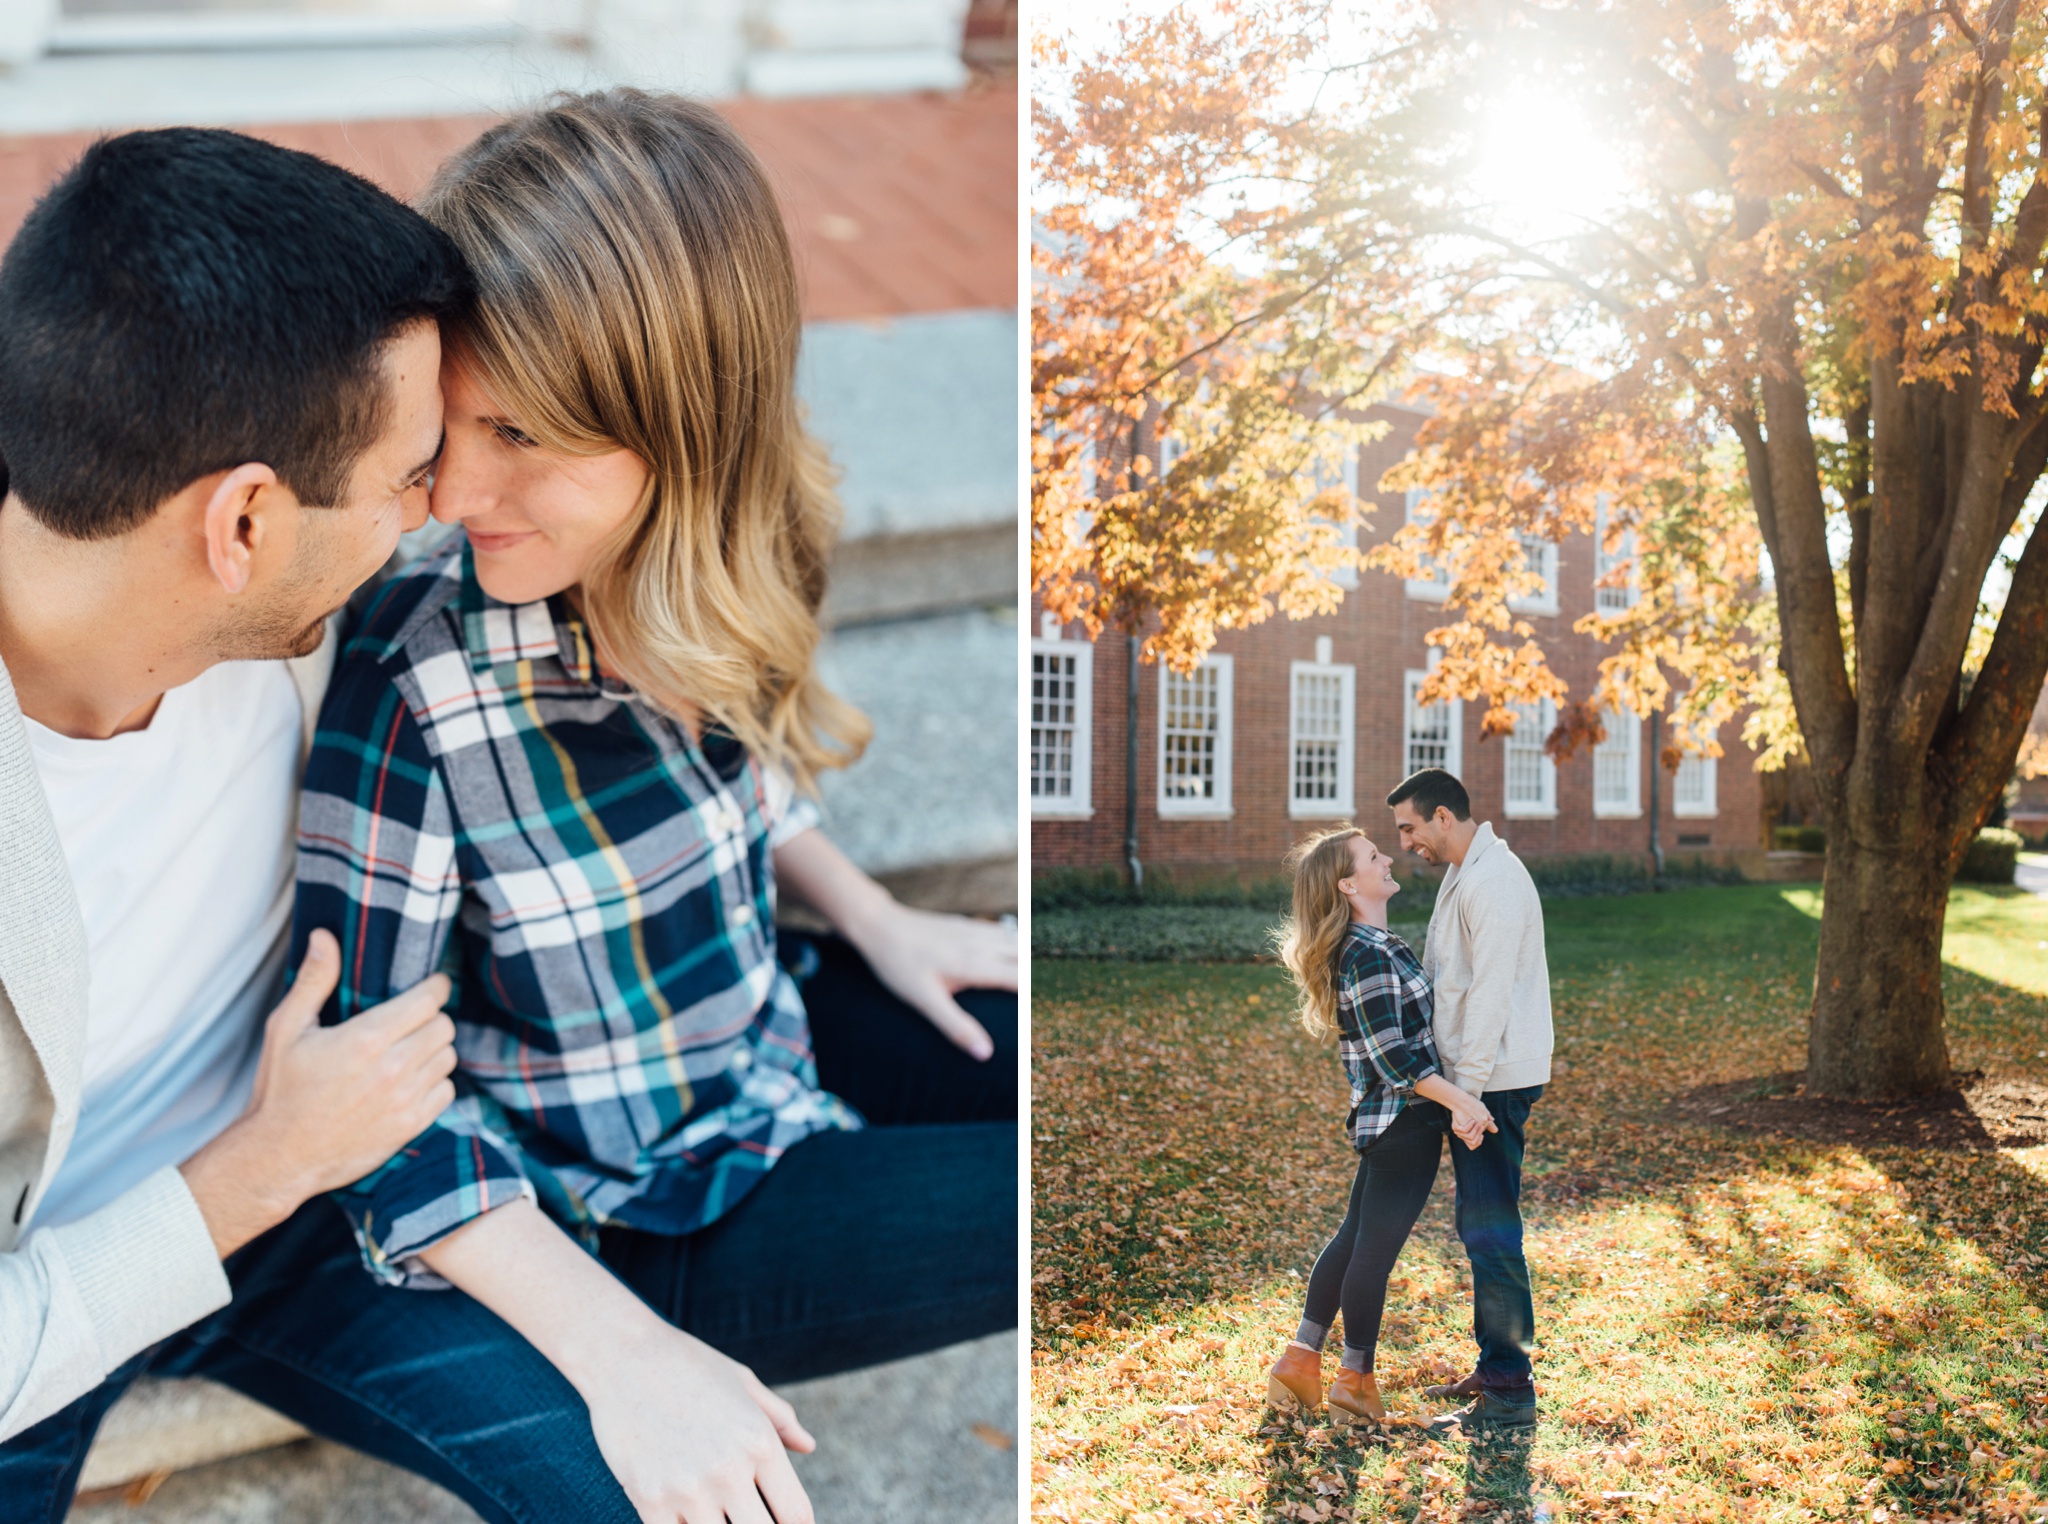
column 1383, row 1028
column 598, row 884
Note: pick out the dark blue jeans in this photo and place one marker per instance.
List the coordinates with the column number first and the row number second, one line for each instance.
column 856, row 1248
column 1490, row 1226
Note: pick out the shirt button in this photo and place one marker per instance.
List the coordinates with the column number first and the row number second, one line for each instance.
column 742, row 914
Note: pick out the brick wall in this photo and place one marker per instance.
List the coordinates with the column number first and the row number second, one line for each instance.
column 1379, row 631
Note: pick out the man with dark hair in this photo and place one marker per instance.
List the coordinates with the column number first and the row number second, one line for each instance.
column 220, row 406
column 1485, row 960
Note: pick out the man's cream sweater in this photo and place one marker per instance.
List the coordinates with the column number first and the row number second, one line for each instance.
column 1484, row 956
column 77, row 1300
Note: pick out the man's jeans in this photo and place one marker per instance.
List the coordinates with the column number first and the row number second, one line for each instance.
column 858, row 1247
column 1490, row 1226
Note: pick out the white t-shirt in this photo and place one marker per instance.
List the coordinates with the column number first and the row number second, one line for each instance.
column 180, row 843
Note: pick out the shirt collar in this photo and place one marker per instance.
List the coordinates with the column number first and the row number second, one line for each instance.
column 494, row 633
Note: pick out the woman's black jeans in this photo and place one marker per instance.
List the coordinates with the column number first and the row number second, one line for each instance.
column 1396, row 1172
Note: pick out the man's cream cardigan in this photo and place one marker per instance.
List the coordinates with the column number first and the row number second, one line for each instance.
column 78, row 1300
column 1485, row 960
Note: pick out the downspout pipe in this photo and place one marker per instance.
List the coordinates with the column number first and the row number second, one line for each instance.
column 1656, row 804
column 1134, row 645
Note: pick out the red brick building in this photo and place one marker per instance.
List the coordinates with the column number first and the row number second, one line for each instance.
column 1291, row 725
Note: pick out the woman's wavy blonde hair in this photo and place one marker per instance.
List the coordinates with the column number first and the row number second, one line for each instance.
column 1309, row 939
column 635, row 290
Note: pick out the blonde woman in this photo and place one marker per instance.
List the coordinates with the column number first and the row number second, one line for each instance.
column 1360, row 986
column 565, row 760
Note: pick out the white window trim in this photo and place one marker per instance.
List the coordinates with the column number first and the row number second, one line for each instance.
column 1710, row 809
column 1631, row 724
column 1541, row 556
column 1545, row 719
column 1602, row 563
column 1347, row 478
column 1423, row 589
column 1197, row 809
column 1347, row 743
column 1079, row 805
column 1454, row 751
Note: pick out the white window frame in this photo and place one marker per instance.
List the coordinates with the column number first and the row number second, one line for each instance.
column 1341, row 806
column 1540, row 556
column 1612, row 600
column 1347, row 478
column 1218, row 805
column 1432, row 589
column 1079, row 804
column 1533, row 724
column 1624, row 730
column 1454, row 748
column 1705, row 769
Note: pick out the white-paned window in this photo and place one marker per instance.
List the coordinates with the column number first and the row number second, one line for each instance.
column 1541, row 557
column 1194, row 739
column 1062, row 677
column 1345, row 476
column 1166, row 450
column 1531, row 787
column 1321, row 724
column 1436, row 587
column 1617, row 765
column 1432, row 736
column 1692, row 789
column 1622, row 596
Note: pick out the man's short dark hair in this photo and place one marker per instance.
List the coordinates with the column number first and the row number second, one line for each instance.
column 188, row 300
column 1432, row 789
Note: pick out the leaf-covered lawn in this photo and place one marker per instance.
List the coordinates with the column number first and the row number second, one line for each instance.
column 1730, row 1326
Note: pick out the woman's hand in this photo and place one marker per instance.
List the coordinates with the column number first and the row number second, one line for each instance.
column 924, row 958
column 694, row 1437
column 1470, row 1120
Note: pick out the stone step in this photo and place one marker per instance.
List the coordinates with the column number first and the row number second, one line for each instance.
column 931, row 809
column 918, row 1441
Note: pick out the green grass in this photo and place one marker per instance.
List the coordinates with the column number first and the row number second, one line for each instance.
column 1730, row 1327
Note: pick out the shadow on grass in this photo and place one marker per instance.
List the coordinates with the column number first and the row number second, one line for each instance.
column 1188, row 1147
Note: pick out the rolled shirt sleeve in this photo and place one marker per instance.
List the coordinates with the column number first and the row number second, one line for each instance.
column 377, row 868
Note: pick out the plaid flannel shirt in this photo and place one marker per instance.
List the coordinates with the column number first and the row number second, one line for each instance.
column 1383, row 1028
column 599, row 886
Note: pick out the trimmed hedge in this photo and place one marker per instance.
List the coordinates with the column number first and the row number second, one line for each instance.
column 1992, row 857
column 1799, row 838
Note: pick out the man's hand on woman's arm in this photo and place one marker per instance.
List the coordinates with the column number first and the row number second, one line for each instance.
column 923, row 957
column 330, row 1103
column 693, row 1437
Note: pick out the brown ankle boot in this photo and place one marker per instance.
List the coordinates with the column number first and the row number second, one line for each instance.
column 1295, row 1383
column 1355, row 1398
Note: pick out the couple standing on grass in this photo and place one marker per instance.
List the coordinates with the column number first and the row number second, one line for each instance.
column 546, row 1248
column 1457, row 1041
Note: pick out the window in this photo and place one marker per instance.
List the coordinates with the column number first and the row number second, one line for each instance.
column 1541, row 557
column 1062, row 674
column 1345, row 476
column 1617, row 766
column 1622, row 597
column 1436, row 587
column 1430, row 737
column 1166, row 450
column 1692, row 790
column 1194, row 739
column 1320, row 730
column 1531, row 788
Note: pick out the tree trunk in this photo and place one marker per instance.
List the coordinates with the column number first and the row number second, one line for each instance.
column 1877, row 1010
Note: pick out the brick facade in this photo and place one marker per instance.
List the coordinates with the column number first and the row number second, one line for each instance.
column 1378, row 632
